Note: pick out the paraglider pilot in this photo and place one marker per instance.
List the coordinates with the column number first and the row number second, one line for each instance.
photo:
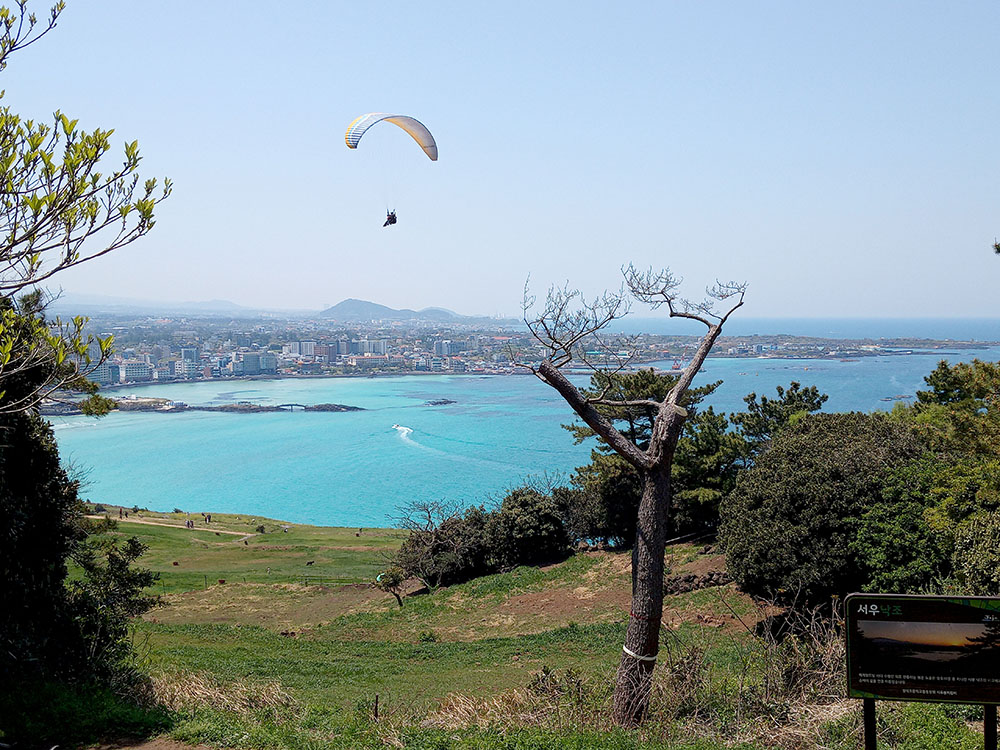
column 390, row 218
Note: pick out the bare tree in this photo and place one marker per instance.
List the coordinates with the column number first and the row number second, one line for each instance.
column 566, row 327
column 439, row 543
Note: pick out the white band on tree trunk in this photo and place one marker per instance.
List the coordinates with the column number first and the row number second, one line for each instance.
column 634, row 655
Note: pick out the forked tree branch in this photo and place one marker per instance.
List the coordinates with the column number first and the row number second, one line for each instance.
column 566, row 319
column 594, row 419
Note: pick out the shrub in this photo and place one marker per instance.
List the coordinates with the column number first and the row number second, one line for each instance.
column 49, row 628
column 583, row 513
column 526, row 530
column 977, row 554
column 445, row 545
column 790, row 525
column 41, row 525
column 608, row 505
column 391, row 581
column 102, row 604
column 896, row 548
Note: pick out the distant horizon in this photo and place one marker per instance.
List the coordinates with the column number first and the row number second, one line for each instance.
column 802, row 149
column 89, row 300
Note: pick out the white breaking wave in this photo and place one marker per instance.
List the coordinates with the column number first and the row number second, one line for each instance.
column 404, row 432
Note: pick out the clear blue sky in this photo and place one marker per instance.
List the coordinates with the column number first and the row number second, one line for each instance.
column 841, row 158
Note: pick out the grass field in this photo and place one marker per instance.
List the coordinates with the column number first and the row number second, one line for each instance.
column 230, row 548
column 452, row 669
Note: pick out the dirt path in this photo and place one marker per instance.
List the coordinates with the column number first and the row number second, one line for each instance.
column 157, row 743
column 243, row 534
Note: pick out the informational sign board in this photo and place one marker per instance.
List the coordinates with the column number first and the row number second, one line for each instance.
column 934, row 649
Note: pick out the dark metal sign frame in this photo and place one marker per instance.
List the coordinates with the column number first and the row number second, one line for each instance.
column 930, row 649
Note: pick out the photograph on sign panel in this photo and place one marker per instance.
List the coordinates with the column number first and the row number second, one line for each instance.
column 930, row 647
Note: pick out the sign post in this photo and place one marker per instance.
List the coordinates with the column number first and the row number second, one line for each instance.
column 932, row 649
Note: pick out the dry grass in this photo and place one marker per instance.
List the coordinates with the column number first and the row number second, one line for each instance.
column 804, row 729
column 189, row 690
column 782, row 687
column 553, row 699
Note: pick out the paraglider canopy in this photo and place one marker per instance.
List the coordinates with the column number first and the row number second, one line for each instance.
column 413, row 127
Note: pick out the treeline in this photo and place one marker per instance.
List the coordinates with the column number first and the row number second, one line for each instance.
column 905, row 502
column 54, row 626
column 805, row 505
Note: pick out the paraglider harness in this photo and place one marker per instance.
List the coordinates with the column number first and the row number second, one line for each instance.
column 390, row 218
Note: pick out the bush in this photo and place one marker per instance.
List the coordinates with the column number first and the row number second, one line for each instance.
column 977, row 554
column 101, row 606
column 526, row 530
column 583, row 513
column 444, row 545
column 42, row 523
column 897, row 549
column 608, row 504
column 790, row 525
column 53, row 629
column 391, row 581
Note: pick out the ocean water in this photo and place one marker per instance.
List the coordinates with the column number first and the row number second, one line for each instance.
column 956, row 329
column 356, row 468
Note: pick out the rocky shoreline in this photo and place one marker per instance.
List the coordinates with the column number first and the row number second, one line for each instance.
column 163, row 405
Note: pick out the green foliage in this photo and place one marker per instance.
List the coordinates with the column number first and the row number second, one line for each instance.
column 102, row 604
column 61, row 204
column 704, row 467
column 897, row 548
column 41, row 526
column 960, row 414
column 391, row 581
column 584, row 514
column 977, row 554
column 447, row 546
column 789, row 526
column 704, row 471
column 49, row 628
column 634, row 422
column 444, row 545
column 928, row 519
column 609, row 491
column 762, row 419
column 526, row 530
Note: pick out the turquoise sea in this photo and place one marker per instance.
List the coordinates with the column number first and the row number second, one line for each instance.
column 355, row 468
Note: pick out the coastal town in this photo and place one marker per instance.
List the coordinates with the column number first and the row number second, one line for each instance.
column 155, row 349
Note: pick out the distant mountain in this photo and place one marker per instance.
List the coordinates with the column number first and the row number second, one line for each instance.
column 362, row 311
column 348, row 311
column 354, row 310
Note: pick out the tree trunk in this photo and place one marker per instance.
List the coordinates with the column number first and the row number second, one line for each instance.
column 642, row 638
